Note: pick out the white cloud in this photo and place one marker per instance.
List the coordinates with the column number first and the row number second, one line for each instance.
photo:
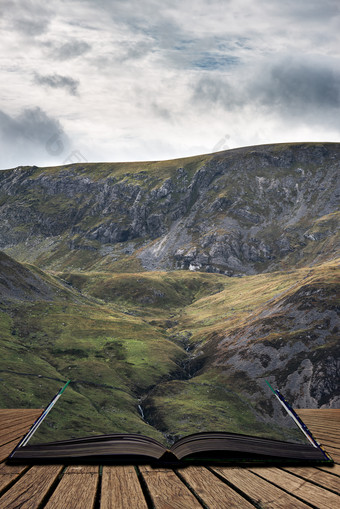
column 165, row 80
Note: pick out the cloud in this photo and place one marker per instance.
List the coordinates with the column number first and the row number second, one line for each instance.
column 310, row 9
column 31, row 27
column 299, row 86
column 161, row 111
column 69, row 50
column 301, row 89
column 182, row 71
column 30, row 18
column 58, row 81
column 214, row 60
column 26, row 136
column 134, row 50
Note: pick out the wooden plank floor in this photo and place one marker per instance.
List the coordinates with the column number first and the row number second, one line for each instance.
column 144, row 487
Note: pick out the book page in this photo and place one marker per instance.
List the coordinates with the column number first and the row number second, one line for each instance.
column 90, row 410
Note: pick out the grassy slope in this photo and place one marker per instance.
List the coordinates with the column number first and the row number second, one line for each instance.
column 243, row 298
column 159, row 170
column 66, row 335
column 199, row 309
column 183, row 406
column 128, row 331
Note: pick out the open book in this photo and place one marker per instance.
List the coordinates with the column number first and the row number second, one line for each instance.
column 297, row 444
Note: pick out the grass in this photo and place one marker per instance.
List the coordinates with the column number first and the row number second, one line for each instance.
column 127, row 333
column 205, row 404
column 245, row 297
column 112, row 346
column 133, row 172
column 147, row 293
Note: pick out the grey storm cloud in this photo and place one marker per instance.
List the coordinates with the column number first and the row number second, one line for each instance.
column 26, row 16
column 58, row 81
column 310, row 9
column 27, row 134
column 32, row 124
column 161, row 111
column 289, row 88
column 298, row 86
column 31, row 27
column 68, row 50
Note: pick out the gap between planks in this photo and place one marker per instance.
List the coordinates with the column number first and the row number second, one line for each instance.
column 300, row 488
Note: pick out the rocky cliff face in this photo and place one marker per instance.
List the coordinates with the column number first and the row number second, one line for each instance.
column 236, row 212
column 292, row 341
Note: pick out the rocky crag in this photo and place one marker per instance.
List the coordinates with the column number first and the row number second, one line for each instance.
column 241, row 211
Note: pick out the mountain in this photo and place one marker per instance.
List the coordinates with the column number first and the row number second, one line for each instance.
column 173, row 289
column 242, row 211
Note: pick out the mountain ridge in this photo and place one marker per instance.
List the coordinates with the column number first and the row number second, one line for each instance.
column 262, row 207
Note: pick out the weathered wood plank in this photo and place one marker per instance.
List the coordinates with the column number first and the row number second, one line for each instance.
column 331, row 419
column 261, row 491
column 15, row 433
column 330, row 413
column 76, row 489
column 6, row 449
column 121, row 488
column 335, row 453
column 27, row 417
column 16, row 425
column 31, row 488
column 325, row 479
column 317, row 418
column 167, row 490
column 326, row 437
column 322, row 422
column 301, row 488
column 7, row 424
column 18, row 411
column 332, row 469
column 322, row 427
column 8, row 469
column 8, row 473
column 325, row 430
column 212, row 490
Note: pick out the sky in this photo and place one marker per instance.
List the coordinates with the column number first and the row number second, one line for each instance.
column 100, row 80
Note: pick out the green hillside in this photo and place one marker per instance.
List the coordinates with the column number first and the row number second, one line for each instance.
column 168, row 291
column 162, row 340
